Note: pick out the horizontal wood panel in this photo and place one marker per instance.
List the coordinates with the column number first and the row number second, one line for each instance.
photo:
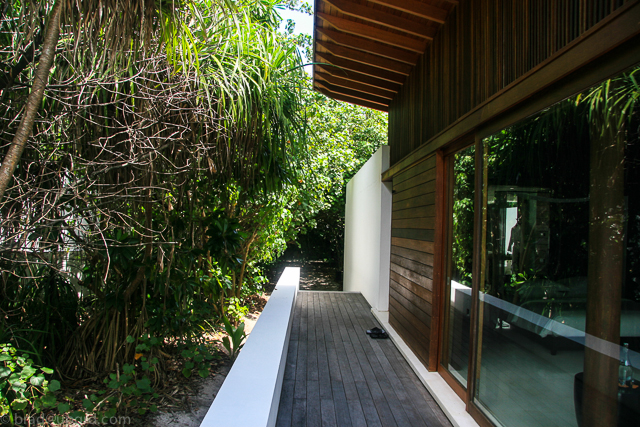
column 420, row 291
column 425, row 188
column 419, row 212
column 419, row 256
column 424, row 177
column 413, row 233
column 418, row 245
column 410, row 322
column 418, row 168
column 413, row 299
column 414, row 191
column 428, row 223
column 419, row 346
column 415, row 266
column 414, row 202
column 421, row 316
column 412, row 276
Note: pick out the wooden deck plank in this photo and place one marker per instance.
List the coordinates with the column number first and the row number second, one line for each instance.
column 396, row 397
column 356, row 413
column 299, row 413
column 313, row 404
column 336, row 375
column 286, row 403
column 328, row 413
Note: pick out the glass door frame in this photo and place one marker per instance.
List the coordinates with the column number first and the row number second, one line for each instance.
column 444, row 191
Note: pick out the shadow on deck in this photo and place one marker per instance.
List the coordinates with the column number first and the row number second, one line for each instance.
column 336, row 375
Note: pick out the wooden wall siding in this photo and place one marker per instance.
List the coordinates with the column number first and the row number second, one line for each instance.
column 412, row 236
column 484, row 46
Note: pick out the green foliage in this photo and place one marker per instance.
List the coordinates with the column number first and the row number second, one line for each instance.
column 197, row 358
column 233, row 341
column 24, row 388
column 462, row 215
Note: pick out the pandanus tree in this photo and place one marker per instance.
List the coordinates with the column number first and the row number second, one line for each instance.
column 135, row 154
column 121, row 26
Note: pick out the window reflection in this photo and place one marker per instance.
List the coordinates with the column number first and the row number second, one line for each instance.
column 561, row 263
column 455, row 357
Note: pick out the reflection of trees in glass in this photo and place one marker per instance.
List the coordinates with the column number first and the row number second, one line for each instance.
column 550, row 151
column 463, row 194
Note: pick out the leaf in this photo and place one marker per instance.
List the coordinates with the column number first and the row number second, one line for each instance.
column 88, row 405
column 54, row 385
column 129, row 338
column 28, row 371
column 186, row 372
column 203, row 372
column 143, row 384
column 48, row 400
column 63, row 408
column 37, row 380
column 19, row 404
column 47, row 370
column 138, row 356
column 4, row 371
column 78, row 416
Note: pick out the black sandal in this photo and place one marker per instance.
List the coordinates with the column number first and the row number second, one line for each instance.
column 374, row 331
column 381, row 335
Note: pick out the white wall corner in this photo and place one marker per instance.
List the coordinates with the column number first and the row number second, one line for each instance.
column 367, row 232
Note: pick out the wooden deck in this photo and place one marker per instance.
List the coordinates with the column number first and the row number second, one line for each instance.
column 337, row 375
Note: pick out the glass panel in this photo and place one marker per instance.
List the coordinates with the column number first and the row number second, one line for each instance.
column 455, row 357
column 561, row 263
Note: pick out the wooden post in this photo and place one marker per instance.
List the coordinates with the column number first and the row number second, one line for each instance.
column 606, row 250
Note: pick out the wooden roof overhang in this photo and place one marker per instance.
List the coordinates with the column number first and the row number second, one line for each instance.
column 365, row 49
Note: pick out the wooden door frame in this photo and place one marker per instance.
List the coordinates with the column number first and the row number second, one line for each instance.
column 444, row 179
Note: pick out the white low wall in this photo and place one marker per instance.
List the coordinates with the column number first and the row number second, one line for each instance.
column 367, row 235
column 250, row 395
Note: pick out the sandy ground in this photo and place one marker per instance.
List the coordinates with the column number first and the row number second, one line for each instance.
column 205, row 391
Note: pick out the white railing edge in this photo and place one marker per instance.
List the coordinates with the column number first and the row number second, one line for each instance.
column 250, row 394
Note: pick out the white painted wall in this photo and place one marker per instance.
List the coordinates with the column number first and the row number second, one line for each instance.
column 367, row 236
column 250, row 395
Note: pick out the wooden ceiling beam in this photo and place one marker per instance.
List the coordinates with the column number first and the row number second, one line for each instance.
column 416, row 8
column 337, row 81
column 352, row 93
column 373, row 33
column 366, row 58
column 355, row 101
column 380, row 17
column 356, row 77
column 361, row 68
column 369, row 46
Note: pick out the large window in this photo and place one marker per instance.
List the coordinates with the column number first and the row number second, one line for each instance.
column 560, row 288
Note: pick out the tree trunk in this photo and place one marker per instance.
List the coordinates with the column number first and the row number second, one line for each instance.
column 34, row 101
column 606, row 252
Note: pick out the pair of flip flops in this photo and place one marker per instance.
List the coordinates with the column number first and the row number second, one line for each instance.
column 377, row 333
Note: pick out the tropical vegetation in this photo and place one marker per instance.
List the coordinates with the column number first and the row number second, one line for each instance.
column 160, row 156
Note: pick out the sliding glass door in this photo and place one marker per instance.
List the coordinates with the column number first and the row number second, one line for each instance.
column 559, row 294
